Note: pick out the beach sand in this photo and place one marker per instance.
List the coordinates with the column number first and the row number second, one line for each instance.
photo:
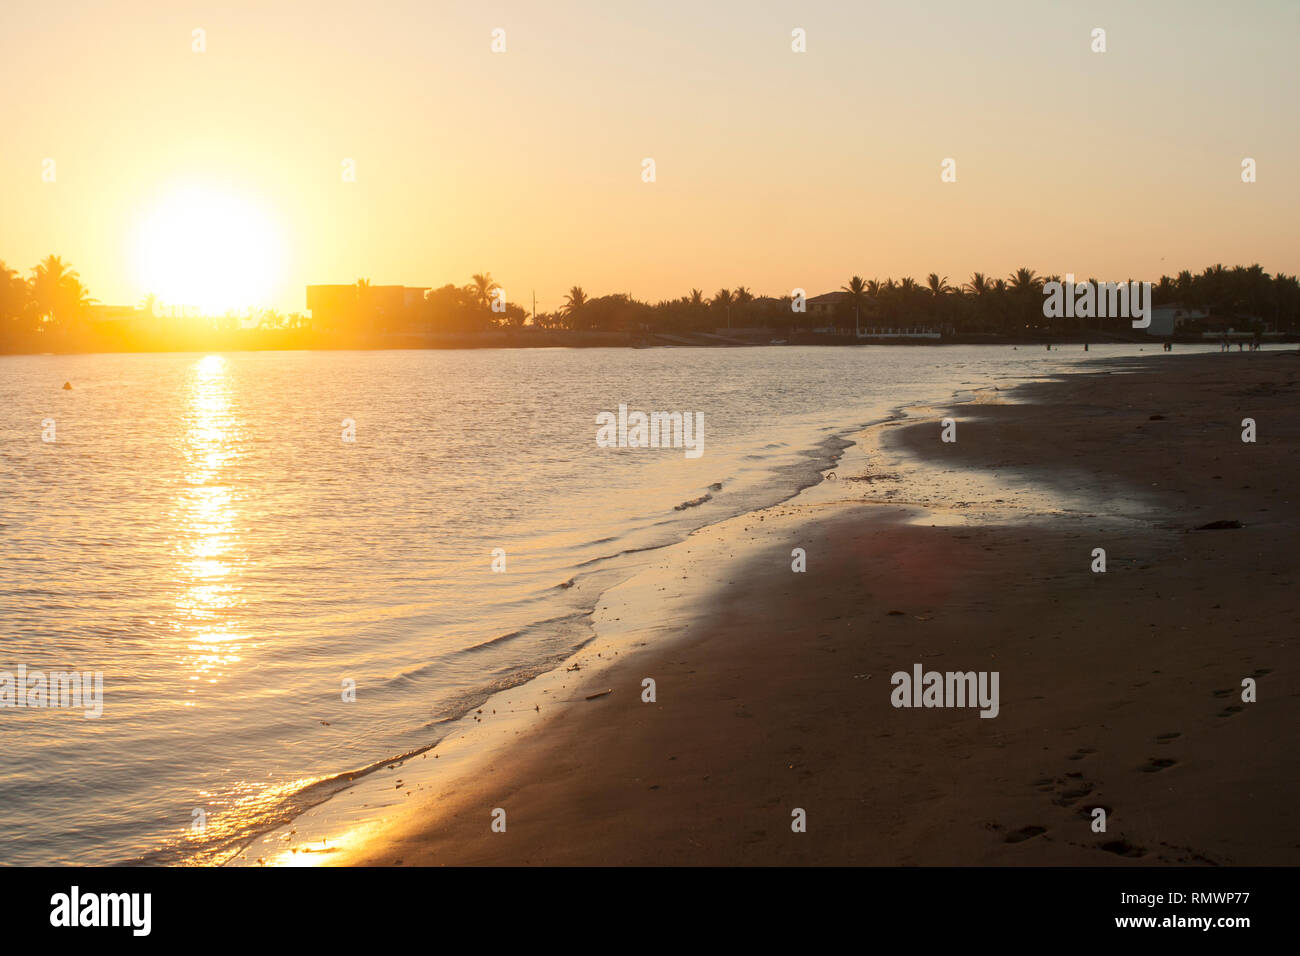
column 1119, row 690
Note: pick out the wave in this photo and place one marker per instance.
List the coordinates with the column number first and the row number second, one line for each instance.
column 266, row 812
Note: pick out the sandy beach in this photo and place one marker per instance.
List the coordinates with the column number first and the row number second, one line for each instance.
column 1119, row 690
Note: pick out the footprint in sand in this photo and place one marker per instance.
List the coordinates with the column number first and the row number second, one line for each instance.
column 1122, row 848
column 1081, row 753
column 1069, row 798
column 1165, row 738
column 1156, row 764
column 1230, row 710
column 1224, row 693
column 1024, row 833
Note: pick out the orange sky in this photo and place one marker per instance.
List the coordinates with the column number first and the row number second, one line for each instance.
column 775, row 169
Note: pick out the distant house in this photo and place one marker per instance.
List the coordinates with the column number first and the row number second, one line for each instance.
column 367, row 309
column 1165, row 319
column 826, row 305
column 331, row 306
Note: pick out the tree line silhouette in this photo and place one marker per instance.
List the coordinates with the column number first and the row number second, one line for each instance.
column 1246, row 295
column 53, row 293
column 53, row 299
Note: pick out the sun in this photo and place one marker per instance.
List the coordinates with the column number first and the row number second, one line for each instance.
column 209, row 249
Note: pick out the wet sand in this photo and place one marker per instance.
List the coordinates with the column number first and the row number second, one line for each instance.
column 1119, row 690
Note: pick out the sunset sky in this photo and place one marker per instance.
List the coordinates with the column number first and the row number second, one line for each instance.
column 774, row 169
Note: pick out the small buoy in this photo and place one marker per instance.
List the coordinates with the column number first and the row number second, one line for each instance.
column 67, row 386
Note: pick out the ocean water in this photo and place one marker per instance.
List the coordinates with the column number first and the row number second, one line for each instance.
column 199, row 532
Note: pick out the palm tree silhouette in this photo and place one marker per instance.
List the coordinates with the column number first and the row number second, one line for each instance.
column 14, row 293
column 722, row 300
column 481, row 288
column 57, row 291
column 857, row 290
column 1025, row 281
column 938, row 286
column 574, row 300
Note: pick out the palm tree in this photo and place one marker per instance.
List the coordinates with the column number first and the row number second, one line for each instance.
column 938, row 286
column 1025, row 285
column 481, row 288
column 1257, row 290
column 1164, row 290
column 57, row 291
column 1213, row 289
column 980, row 289
column 978, row 284
column 742, row 295
column 857, row 290
column 1025, row 281
column 79, row 299
column 697, row 298
column 47, row 285
column 13, row 293
column 722, row 300
column 575, row 300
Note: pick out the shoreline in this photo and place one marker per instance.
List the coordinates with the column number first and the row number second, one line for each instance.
column 328, row 805
column 363, row 801
column 802, row 718
column 1110, row 701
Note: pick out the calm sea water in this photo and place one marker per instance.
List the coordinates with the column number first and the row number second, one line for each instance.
column 200, row 533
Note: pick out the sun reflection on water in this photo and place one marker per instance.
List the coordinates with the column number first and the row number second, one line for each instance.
column 207, row 529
